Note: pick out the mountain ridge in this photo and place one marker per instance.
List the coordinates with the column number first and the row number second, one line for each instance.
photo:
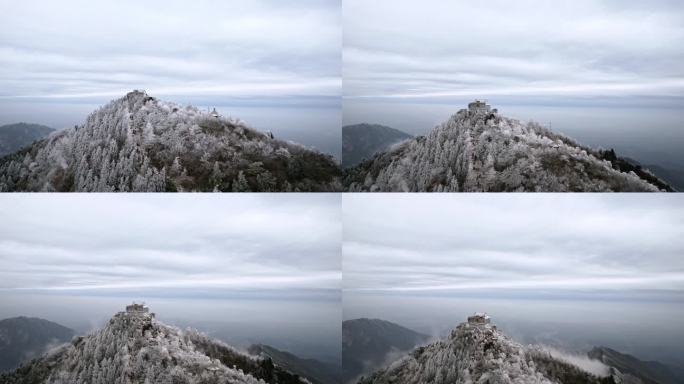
column 26, row 337
column 140, row 143
column 367, row 344
column 362, row 141
column 478, row 150
column 650, row 372
column 135, row 347
column 14, row 137
column 477, row 352
column 317, row 372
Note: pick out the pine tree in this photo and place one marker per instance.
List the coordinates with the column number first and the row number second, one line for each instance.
column 240, row 183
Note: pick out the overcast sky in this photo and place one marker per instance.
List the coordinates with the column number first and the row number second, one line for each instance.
column 107, row 243
column 498, row 244
column 499, row 48
column 245, row 268
column 275, row 65
column 81, row 49
column 569, row 270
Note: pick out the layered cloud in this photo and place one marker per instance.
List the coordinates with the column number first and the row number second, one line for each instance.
column 170, row 244
column 79, row 49
column 495, row 244
column 529, row 48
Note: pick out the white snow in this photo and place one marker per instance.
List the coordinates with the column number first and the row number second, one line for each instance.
column 478, row 355
column 139, row 143
column 136, row 348
column 474, row 152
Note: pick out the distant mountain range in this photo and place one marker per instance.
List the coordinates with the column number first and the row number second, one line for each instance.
column 134, row 347
column 671, row 173
column 649, row 372
column 362, row 141
column 23, row 338
column 477, row 352
column 14, row 137
column 140, row 143
column 368, row 344
column 478, row 150
column 315, row 371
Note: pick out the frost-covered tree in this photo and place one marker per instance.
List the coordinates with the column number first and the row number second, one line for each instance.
column 139, row 143
column 482, row 354
column 240, row 184
column 478, row 150
column 136, row 348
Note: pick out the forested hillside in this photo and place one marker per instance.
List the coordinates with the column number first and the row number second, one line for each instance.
column 138, row 143
column 477, row 150
column 136, row 348
column 479, row 353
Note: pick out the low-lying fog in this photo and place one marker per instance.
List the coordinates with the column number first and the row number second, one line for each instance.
column 569, row 270
column 644, row 329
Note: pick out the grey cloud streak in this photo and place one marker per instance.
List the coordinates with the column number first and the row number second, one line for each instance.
column 432, row 49
column 494, row 243
column 77, row 49
column 220, row 243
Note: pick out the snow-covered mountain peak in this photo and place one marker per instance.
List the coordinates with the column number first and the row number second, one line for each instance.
column 135, row 347
column 136, row 94
column 140, row 143
column 476, row 351
column 478, row 149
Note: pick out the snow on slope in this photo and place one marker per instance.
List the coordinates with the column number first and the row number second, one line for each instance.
column 139, row 143
column 481, row 354
column 136, row 348
column 479, row 150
